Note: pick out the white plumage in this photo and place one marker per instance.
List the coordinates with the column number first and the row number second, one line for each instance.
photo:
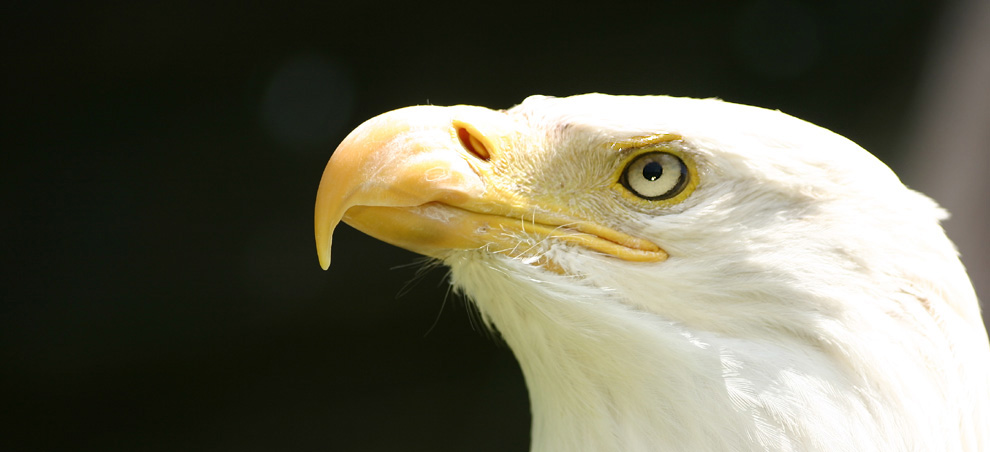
column 810, row 302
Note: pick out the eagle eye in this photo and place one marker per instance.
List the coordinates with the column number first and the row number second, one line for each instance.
column 655, row 176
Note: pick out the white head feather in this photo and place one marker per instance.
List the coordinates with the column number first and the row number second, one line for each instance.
column 810, row 301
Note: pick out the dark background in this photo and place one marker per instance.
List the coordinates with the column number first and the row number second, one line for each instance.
column 160, row 161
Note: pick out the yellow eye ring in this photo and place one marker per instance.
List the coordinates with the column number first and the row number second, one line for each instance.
column 658, row 174
column 655, row 176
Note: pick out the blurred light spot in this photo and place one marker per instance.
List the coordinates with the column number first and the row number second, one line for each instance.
column 307, row 102
column 776, row 38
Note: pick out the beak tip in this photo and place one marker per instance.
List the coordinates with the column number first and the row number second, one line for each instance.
column 324, row 255
column 323, row 252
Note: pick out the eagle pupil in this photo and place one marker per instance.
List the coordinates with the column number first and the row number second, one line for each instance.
column 652, row 171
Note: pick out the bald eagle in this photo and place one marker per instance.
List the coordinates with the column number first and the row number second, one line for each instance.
column 683, row 274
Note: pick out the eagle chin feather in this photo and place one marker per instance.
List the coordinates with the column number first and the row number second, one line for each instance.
column 806, row 299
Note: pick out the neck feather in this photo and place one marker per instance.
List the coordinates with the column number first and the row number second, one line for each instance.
column 606, row 376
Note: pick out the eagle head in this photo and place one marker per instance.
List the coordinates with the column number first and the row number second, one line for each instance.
column 683, row 274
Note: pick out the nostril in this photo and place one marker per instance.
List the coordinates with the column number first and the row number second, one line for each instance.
column 473, row 144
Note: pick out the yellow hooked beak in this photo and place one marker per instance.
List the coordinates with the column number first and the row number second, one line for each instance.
column 418, row 178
